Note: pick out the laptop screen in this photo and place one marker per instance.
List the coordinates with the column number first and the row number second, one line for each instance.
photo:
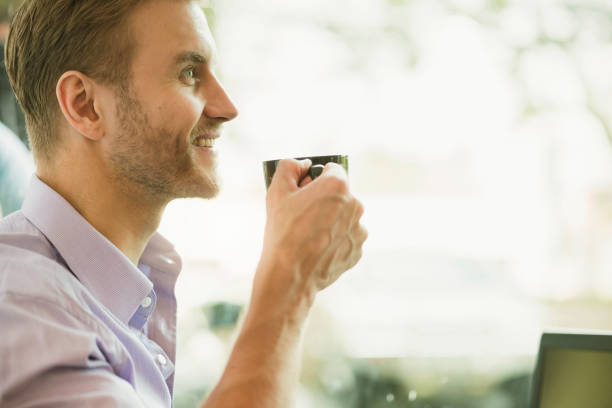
column 575, row 378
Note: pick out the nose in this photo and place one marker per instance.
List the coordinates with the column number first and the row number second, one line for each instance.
column 218, row 103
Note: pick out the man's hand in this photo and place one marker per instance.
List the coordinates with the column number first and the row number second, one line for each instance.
column 313, row 232
column 312, row 236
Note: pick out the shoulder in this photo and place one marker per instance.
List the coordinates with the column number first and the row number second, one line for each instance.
column 29, row 265
column 49, row 320
column 17, row 223
column 43, row 335
column 17, row 232
column 43, row 306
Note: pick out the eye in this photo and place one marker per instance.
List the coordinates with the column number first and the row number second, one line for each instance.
column 189, row 75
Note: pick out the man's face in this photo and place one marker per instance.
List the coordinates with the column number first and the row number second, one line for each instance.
column 169, row 105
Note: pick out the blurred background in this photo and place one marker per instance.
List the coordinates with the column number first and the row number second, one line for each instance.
column 480, row 141
column 479, row 134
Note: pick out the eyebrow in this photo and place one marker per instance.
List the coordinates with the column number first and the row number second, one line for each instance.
column 191, row 56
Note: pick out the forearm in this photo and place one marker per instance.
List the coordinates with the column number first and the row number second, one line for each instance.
column 264, row 365
column 312, row 236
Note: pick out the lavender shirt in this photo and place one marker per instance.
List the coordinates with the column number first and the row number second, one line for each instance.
column 81, row 326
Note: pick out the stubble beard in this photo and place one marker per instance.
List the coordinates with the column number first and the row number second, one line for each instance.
column 154, row 163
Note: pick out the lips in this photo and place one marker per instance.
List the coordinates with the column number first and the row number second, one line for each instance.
column 205, row 139
column 204, row 142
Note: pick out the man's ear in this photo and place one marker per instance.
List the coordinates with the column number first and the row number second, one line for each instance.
column 77, row 100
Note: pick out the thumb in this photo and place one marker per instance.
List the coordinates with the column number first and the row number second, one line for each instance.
column 289, row 173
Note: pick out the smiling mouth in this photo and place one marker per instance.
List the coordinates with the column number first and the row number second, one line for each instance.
column 204, row 142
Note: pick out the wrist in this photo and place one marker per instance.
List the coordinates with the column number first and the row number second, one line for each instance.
column 282, row 293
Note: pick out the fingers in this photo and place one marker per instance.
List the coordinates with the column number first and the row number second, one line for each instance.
column 349, row 233
column 319, row 224
column 356, row 236
column 354, row 246
column 288, row 174
column 346, row 254
column 361, row 234
column 335, row 170
column 357, row 211
column 305, row 181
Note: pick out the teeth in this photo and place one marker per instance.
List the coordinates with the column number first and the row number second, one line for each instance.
column 205, row 142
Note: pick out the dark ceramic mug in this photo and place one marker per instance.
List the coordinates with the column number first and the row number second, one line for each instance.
column 318, row 163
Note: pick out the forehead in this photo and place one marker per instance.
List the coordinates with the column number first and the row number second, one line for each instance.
column 164, row 29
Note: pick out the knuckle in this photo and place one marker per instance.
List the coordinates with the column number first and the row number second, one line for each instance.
column 358, row 256
column 332, row 164
column 364, row 234
column 336, row 184
column 285, row 164
column 358, row 253
column 355, row 258
column 359, row 210
column 334, row 205
column 306, row 180
column 360, row 234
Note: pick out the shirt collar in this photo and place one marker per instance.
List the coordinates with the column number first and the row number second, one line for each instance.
column 159, row 254
column 98, row 264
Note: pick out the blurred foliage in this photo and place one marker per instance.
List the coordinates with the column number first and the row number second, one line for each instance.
column 363, row 383
column 222, row 315
column 583, row 14
column 7, row 8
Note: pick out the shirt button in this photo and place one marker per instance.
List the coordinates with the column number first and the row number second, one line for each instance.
column 146, row 302
column 161, row 359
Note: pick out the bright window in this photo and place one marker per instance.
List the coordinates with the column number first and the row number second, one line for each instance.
column 479, row 140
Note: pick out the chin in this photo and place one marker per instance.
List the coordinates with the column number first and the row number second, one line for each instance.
column 206, row 186
column 210, row 193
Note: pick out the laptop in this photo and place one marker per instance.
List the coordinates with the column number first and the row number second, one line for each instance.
column 573, row 370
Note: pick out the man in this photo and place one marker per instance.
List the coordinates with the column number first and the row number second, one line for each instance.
column 123, row 111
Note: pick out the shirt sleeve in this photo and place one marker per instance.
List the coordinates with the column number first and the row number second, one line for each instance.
column 49, row 357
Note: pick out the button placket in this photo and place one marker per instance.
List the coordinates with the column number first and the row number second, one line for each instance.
column 144, row 311
column 146, row 302
column 161, row 360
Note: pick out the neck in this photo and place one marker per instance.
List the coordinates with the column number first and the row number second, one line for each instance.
column 126, row 216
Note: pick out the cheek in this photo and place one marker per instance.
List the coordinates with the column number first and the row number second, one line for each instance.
column 181, row 113
column 175, row 121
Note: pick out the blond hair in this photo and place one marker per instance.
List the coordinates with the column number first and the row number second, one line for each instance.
column 49, row 37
